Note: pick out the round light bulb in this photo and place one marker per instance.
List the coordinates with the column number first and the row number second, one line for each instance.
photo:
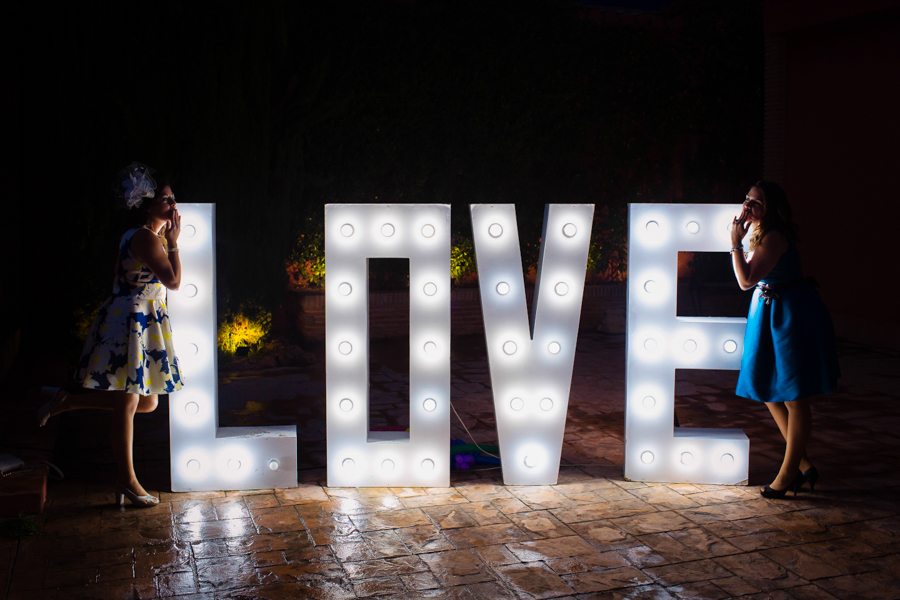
column 650, row 286
column 546, row 404
column 690, row 345
column 193, row 349
column 569, row 230
column 193, row 465
column 428, row 465
column 530, row 462
column 517, row 404
column 510, row 347
column 495, row 230
column 692, row 226
column 730, row 346
column 647, row 457
column 273, row 465
column 234, row 464
column 554, row 348
column 189, row 230
column 346, row 230
column 387, row 465
column 346, row 405
column 428, row 230
column 192, row 408
column 503, row 288
column 348, row 463
column 387, row 230
column 430, row 347
column 561, row 288
column 649, row 401
column 650, row 344
column 652, row 227
column 727, row 459
column 344, row 289
column 430, row 289
column 190, row 290
column 345, row 348
column 687, row 458
column 430, row 404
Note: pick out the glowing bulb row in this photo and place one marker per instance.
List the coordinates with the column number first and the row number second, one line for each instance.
column 345, row 289
column 687, row 458
column 387, row 464
column 561, row 288
column 650, row 345
column 193, row 465
column 518, row 404
column 691, row 227
column 346, row 348
column 510, row 347
column 388, row 230
column 346, row 404
column 569, row 230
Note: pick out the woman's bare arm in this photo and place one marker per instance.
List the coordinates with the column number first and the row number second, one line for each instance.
column 762, row 261
column 147, row 248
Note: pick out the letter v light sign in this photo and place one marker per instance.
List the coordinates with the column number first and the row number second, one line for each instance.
column 531, row 367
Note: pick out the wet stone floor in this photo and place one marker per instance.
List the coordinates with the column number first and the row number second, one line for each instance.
column 594, row 535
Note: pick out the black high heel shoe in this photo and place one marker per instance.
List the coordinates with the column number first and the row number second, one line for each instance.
column 811, row 476
column 794, row 485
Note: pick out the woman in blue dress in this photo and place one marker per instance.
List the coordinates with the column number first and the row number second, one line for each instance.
column 789, row 351
column 129, row 358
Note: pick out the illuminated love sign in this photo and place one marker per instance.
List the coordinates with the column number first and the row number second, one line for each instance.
column 205, row 456
column 530, row 363
column 531, row 366
column 659, row 342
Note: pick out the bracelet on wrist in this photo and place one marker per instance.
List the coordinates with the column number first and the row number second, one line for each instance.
column 733, row 248
column 173, row 249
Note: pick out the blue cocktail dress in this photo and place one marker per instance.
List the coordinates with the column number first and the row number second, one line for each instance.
column 130, row 345
column 789, row 348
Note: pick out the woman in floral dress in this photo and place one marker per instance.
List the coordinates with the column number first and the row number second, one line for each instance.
column 129, row 357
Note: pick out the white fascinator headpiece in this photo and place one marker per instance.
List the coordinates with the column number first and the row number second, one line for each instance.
column 135, row 184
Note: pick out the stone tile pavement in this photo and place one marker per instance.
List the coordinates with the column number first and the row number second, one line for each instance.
column 594, row 535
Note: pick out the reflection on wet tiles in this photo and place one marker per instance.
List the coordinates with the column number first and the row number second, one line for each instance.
column 534, row 580
column 457, row 567
column 594, row 533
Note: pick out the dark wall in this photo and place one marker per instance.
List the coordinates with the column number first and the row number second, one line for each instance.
column 842, row 144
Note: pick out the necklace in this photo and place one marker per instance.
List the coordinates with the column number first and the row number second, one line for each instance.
column 150, row 229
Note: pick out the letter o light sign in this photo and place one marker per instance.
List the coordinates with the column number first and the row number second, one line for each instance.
column 354, row 233
column 659, row 342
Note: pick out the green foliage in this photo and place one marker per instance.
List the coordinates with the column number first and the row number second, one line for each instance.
column 462, row 260
column 20, row 527
column 306, row 263
column 607, row 257
column 245, row 327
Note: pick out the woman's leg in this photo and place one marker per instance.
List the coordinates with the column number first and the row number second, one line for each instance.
column 121, row 435
column 799, row 427
column 780, row 414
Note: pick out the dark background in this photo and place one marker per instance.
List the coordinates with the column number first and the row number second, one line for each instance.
column 273, row 109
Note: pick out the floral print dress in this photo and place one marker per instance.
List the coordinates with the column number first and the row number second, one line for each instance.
column 130, row 344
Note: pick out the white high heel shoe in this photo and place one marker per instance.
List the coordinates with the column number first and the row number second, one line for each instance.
column 46, row 411
column 139, row 501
